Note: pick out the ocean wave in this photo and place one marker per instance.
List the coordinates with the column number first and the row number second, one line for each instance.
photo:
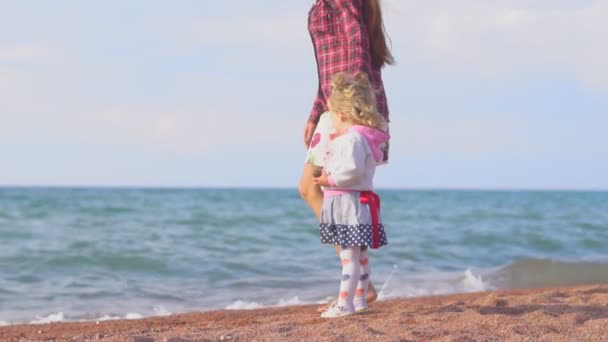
column 250, row 305
column 435, row 283
column 57, row 317
column 539, row 272
column 524, row 273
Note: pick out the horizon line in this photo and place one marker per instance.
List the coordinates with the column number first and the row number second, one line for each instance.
column 294, row 187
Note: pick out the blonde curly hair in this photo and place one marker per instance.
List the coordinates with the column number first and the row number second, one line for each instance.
column 353, row 96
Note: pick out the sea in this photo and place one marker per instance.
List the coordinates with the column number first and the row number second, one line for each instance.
column 93, row 254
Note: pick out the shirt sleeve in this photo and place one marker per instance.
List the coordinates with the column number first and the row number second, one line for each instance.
column 351, row 15
column 348, row 167
column 318, row 107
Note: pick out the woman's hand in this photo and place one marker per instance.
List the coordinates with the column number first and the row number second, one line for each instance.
column 322, row 180
column 308, row 132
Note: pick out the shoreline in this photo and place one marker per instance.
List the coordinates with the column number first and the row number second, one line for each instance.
column 546, row 314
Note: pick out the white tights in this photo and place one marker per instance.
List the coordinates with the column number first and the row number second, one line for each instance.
column 356, row 270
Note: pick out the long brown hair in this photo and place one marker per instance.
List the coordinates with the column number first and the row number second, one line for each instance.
column 381, row 54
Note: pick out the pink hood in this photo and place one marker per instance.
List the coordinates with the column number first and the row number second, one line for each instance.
column 374, row 137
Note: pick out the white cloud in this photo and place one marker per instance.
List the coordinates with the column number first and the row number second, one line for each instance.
column 500, row 39
column 6, row 79
column 277, row 30
column 490, row 135
column 461, row 136
column 190, row 130
column 164, row 129
column 247, row 37
column 25, row 52
column 12, row 76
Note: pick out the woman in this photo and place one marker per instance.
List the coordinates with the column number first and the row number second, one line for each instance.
column 348, row 36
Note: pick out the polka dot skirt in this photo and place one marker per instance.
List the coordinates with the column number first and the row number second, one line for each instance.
column 347, row 222
column 350, row 235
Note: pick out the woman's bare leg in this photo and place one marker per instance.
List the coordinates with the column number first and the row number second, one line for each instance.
column 311, row 193
column 372, row 295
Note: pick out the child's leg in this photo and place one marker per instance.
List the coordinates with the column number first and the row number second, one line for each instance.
column 350, row 276
column 348, row 285
column 363, row 283
column 371, row 291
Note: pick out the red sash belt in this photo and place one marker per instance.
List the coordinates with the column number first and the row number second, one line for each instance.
column 373, row 200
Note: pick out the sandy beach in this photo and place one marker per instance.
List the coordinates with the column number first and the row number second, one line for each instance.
column 552, row 314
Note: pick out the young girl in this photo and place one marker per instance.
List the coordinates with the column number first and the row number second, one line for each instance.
column 350, row 211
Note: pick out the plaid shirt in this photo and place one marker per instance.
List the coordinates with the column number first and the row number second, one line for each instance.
column 342, row 43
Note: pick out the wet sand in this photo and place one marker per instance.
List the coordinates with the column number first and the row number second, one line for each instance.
column 554, row 314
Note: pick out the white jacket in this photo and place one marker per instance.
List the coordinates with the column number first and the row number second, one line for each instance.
column 352, row 158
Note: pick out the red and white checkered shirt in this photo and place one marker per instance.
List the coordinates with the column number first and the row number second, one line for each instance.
column 342, row 43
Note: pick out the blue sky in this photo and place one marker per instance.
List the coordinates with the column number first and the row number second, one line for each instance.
column 486, row 94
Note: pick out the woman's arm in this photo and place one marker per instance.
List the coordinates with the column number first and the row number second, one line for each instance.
column 318, row 107
column 351, row 15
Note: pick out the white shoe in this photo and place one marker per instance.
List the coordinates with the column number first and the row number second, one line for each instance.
column 360, row 305
column 337, row 311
